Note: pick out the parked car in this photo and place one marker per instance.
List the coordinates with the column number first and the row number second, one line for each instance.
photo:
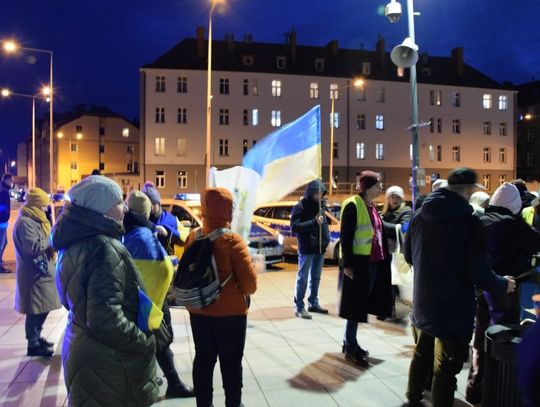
column 262, row 239
column 277, row 215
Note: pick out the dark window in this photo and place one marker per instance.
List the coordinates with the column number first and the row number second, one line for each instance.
column 101, row 148
column 101, row 166
column 102, row 131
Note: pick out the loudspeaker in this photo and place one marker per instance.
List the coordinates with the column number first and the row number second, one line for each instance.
column 406, row 54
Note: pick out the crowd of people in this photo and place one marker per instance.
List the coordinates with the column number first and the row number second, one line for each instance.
column 107, row 252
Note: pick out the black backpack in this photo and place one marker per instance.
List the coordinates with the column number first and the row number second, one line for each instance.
column 197, row 284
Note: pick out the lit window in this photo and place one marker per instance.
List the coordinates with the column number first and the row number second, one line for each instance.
column 361, row 121
column 276, row 88
column 400, row 71
column 503, row 102
column 181, row 179
column 486, row 101
column 486, row 181
column 281, row 62
column 379, row 151
column 379, row 122
column 130, row 149
column 224, row 117
column 410, row 152
column 360, row 151
column 181, row 147
column 456, row 153
column 502, row 129
column 487, row 154
column 125, row 132
column 181, row 84
column 223, row 86
column 336, row 120
column 159, row 147
column 502, row 155
column 160, row 179
column 431, row 153
column 255, row 117
column 181, row 115
column 502, row 179
column 255, row 89
column 160, row 83
column 381, row 97
column 223, row 147
column 487, row 128
column 366, row 68
column 334, row 91
column 160, row 115
column 276, row 118
column 314, row 90
column 435, row 97
column 456, row 126
column 456, row 99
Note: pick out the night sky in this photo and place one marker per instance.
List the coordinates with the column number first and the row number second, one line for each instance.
column 100, row 45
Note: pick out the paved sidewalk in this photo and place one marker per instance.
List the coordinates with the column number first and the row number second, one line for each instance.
column 288, row 361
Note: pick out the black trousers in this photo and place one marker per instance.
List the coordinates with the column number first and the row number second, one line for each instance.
column 33, row 327
column 222, row 337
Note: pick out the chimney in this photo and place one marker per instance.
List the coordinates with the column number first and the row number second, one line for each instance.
column 380, row 51
column 200, row 42
column 291, row 42
column 333, row 47
column 229, row 39
column 457, row 60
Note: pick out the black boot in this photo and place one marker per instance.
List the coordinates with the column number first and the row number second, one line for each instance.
column 39, row 350
column 179, row 389
column 355, row 355
column 175, row 387
column 44, row 342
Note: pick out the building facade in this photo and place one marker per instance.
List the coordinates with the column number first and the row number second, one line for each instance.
column 528, row 142
column 467, row 118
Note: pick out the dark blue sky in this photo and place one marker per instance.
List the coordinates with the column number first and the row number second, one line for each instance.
column 100, row 45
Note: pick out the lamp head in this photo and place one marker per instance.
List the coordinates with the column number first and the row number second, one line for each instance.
column 5, row 92
column 392, row 11
column 406, row 54
column 10, row 46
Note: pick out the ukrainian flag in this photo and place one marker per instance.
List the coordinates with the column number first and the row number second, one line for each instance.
column 149, row 316
column 287, row 158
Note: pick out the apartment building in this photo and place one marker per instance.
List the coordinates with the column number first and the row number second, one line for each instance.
column 467, row 118
column 528, row 141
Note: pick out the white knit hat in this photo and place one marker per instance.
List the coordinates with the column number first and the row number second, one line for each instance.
column 395, row 190
column 479, row 198
column 440, row 183
column 507, row 196
column 97, row 193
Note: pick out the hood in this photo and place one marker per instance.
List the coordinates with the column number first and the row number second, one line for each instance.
column 77, row 223
column 313, row 187
column 216, row 208
column 445, row 206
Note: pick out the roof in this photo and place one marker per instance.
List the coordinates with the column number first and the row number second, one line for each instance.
column 339, row 62
column 60, row 119
column 529, row 94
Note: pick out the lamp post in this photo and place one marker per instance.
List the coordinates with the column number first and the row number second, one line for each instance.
column 8, row 93
column 11, row 47
column 406, row 56
column 358, row 83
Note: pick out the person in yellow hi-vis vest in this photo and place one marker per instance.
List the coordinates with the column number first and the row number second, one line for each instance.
column 365, row 277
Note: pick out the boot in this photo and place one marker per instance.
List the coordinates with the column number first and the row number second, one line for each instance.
column 178, row 389
column 354, row 355
column 39, row 350
column 45, row 343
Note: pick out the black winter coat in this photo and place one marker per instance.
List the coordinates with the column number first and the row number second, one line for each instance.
column 447, row 247
column 355, row 302
column 400, row 216
column 107, row 359
column 5, row 203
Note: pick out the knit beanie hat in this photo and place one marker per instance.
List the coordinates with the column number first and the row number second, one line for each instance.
column 139, row 203
column 367, row 179
column 151, row 192
column 507, row 196
column 479, row 198
column 395, row 190
column 37, row 197
column 439, row 183
column 97, row 193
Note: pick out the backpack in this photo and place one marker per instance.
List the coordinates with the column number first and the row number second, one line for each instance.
column 197, row 284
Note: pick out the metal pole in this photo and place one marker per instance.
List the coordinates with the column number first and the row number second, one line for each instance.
column 331, row 167
column 51, row 175
column 209, row 100
column 33, row 183
column 414, row 94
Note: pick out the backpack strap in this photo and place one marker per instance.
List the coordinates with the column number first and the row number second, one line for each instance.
column 217, row 233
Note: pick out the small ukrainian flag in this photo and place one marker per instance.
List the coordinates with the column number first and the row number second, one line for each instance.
column 149, row 315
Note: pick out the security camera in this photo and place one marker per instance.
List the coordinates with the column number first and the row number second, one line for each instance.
column 393, row 11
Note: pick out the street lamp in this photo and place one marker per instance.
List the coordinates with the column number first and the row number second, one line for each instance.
column 11, row 47
column 358, row 83
column 44, row 94
column 406, row 56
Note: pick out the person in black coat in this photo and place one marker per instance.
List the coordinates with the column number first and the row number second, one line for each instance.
column 5, row 210
column 365, row 281
column 447, row 247
column 310, row 225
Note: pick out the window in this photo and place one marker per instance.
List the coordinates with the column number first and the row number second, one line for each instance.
column 486, row 101
column 224, row 117
column 160, row 83
column 129, row 166
column 456, row 99
column 456, row 153
column 246, row 87
column 74, row 165
column 432, row 125
column 319, row 64
column 361, row 94
column 487, row 128
column 431, row 153
column 439, row 153
column 503, row 102
column 410, row 152
column 245, row 146
column 255, row 89
column 255, row 117
column 336, row 150
column 366, row 68
column 181, row 147
column 276, row 88
column 181, row 115
column 159, row 146
column 247, row 60
column 102, row 148
column 379, row 122
column 361, row 121
column 502, row 179
column 276, row 118
column 160, row 179
column 456, row 126
column 74, row 147
column 181, row 84
column 381, row 94
column 336, row 120
column 223, row 86
column 78, row 129
column 223, row 147
column 379, row 151
column 130, row 149
column 486, row 181
column 101, row 131
column 160, row 115
column 314, row 90
column 360, row 151
column 530, row 160
column 502, row 155
column 435, row 97
column 125, row 132
column 439, row 125
column 181, row 179
column 245, row 117
column 487, row 155
column 502, row 129
column 281, row 62
column 334, row 91
column 530, row 136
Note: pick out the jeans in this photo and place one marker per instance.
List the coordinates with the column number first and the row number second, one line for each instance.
column 309, row 265
column 3, row 242
column 351, row 327
column 222, row 337
column 445, row 357
column 33, row 327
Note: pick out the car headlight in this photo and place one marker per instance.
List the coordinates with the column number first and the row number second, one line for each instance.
column 280, row 238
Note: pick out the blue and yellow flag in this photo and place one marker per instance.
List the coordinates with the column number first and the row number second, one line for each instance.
column 149, row 316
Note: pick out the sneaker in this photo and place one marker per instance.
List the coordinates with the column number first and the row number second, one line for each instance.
column 45, row 343
column 179, row 391
column 39, row 350
column 318, row 309
column 303, row 314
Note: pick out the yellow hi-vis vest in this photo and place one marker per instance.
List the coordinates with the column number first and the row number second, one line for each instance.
column 528, row 215
column 363, row 234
